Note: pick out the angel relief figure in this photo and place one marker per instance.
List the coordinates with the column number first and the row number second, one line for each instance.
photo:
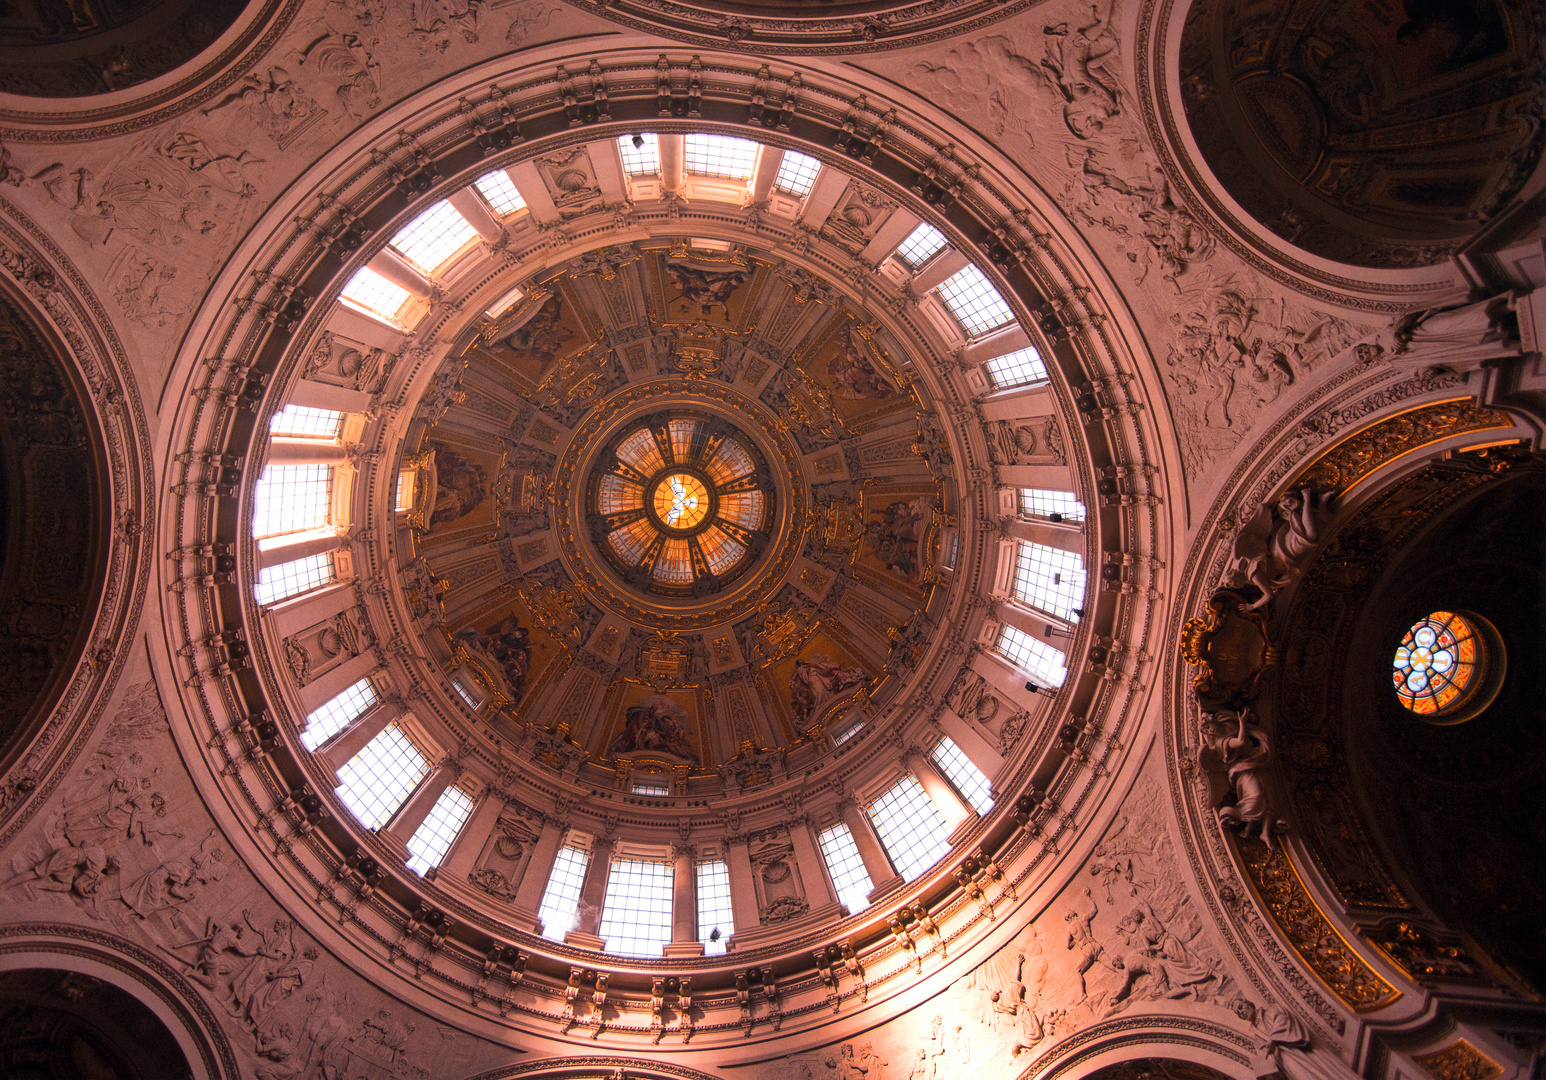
column 817, row 682
column 1271, row 546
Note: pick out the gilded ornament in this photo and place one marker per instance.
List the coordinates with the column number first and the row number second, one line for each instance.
column 1308, row 932
column 1364, row 452
column 1229, row 647
column 1459, row 1061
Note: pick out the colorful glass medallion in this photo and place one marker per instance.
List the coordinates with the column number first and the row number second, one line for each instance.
column 1435, row 662
column 681, row 500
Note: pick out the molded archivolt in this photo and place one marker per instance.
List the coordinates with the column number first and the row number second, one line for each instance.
column 122, row 66
column 1315, row 911
column 75, row 424
column 806, row 27
column 465, row 954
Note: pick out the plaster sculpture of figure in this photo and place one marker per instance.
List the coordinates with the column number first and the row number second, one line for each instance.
column 1082, row 941
column 1235, row 745
column 1270, row 549
column 817, row 681
column 1460, row 325
column 1184, row 974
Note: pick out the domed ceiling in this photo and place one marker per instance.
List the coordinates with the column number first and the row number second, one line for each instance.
column 744, row 521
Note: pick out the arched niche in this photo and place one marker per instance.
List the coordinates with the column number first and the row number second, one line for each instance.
column 80, row 51
column 53, row 519
column 1377, row 138
column 91, row 1004
column 1435, row 823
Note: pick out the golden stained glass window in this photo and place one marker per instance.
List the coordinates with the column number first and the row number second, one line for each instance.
column 1435, row 662
column 680, row 504
column 681, row 500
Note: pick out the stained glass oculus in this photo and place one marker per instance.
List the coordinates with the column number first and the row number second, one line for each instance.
column 1436, row 662
column 680, row 504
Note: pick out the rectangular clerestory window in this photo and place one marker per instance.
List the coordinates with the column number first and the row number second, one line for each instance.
column 846, row 865
column 1035, row 657
column 969, row 781
column 369, row 290
column 376, row 782
column 797, row 174
column 276, row 583
column 910, row 827
column 720, row 155
column 974, row 301
column 1050, row 579
column 715, row 920
column 1023, row 367
column 921, row 245
column 430, row 841
column 433, row 237
column 304, row 422
column 636, row 917
column 500, row 192
column 291, row 498
column 642, row 160
column 1053, row 505
column 560, row 907
column 338, row 713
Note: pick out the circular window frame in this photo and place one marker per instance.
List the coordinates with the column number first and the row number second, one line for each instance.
column 701, row 588
column 1486, row 680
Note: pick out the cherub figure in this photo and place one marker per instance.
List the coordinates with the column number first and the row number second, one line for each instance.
column 1269, row 549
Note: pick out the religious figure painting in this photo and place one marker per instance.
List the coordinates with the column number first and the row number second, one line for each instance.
column 508, row 644
column 657, row 723
column 852, row 372
column 897, row 534
column 818, row 682
column 548, row 335
column 817, row 677
column 461, row 485
column 510, row 650
column 700, row 290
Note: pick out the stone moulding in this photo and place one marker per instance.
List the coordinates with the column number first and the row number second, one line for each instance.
column 823, row 32
column 1300, row 921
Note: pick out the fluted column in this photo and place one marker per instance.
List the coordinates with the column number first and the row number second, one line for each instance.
column 873, row 854
column 684, row 903
column 544, row 853
column 673, row 151
column 743, row 888
column 318, row 542
column 416, row 808
column 593, row 895
column 950, row 805
column 477, row 214
column 399, row 271
column 813, row 868
column 286, row 451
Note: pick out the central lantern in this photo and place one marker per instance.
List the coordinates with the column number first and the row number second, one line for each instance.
column 679, row 503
